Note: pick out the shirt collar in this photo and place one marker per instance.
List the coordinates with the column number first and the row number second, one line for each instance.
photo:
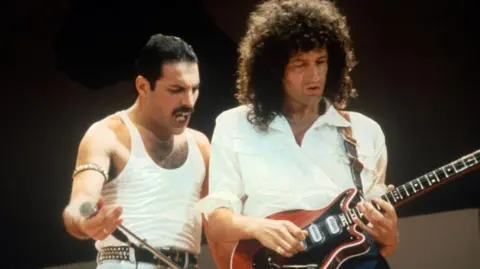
column 331, row 117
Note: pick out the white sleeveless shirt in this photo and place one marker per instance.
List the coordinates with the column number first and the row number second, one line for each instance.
column 159, row 205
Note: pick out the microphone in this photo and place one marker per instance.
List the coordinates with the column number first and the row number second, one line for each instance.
column 88, row 210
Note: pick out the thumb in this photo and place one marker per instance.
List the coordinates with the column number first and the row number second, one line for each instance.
column 390, row 187
column 100, row 203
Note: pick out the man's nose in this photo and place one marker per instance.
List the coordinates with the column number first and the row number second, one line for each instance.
column 314, row 73
column 188, row 99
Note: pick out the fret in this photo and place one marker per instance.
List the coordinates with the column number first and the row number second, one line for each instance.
column 440, row 174
column 419, row 182
column 392, row 196
column 413, row 187
column 459, row 165
column 433, row 178
column 349, row 220
column 449, row 170
column 469, row 160
column 353, row 214
column 476, row 157
column 409, row 188
column 386, row 197
column 358, row 213
column 428, row 180
column 397, row 195
column 405, row 188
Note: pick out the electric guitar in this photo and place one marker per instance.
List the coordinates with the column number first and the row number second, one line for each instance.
column 333, row 236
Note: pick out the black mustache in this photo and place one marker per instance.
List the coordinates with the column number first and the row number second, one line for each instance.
column 183, row 109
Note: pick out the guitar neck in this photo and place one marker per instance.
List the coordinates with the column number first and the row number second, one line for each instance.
column 432, row 179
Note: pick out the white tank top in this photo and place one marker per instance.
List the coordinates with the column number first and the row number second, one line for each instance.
column 159, row 205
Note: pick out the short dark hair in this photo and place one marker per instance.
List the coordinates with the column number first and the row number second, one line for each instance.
column 162, row 49
column 275, row 30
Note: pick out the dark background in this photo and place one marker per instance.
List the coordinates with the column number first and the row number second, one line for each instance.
column 66, row 64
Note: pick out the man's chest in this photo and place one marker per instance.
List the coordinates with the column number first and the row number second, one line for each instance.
column 279, row 164
column 167, row 155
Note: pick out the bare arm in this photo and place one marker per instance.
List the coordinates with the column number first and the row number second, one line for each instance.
column 231, row 227
column 95, row 147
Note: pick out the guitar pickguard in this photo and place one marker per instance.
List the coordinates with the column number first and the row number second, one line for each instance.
column 326, row 237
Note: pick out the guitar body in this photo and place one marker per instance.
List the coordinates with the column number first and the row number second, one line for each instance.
column 333, row 236
column 334, row 249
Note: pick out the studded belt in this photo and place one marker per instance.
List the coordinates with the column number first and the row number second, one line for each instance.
column 123, row 253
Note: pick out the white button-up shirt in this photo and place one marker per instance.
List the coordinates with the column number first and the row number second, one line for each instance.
column 258, row 173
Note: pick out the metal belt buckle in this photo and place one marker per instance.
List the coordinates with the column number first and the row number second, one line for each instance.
column 131, row 255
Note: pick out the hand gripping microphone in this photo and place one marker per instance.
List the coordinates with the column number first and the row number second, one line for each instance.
column 88, row 210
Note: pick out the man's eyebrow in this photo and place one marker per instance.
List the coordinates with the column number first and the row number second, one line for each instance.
column 196, row 86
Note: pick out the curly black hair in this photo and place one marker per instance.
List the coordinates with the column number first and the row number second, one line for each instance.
column 275, row 30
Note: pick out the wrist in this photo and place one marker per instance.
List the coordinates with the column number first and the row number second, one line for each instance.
column 388, row 249
column 251, row 229
column 250, row 226
column 73, row 226
column 78, row 229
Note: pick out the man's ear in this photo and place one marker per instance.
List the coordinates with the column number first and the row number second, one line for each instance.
column 142, row 85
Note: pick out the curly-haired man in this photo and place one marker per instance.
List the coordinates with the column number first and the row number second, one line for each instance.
column 286, row 146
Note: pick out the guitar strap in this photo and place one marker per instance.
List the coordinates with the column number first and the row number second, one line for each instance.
column 350, row 144
column 356, row 167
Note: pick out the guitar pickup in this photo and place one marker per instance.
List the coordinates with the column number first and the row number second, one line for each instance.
column 315, row 233
column 332, row 225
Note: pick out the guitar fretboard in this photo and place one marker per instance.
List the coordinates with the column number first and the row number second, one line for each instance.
column 418, row 185
column 431, row 179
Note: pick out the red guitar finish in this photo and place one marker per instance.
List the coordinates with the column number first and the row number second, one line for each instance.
column 351, row 242
column 333, row 237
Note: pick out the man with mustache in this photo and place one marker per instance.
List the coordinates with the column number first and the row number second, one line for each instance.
column 143, row 167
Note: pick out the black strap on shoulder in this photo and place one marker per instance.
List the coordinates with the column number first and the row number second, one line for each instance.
column 350, row 145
